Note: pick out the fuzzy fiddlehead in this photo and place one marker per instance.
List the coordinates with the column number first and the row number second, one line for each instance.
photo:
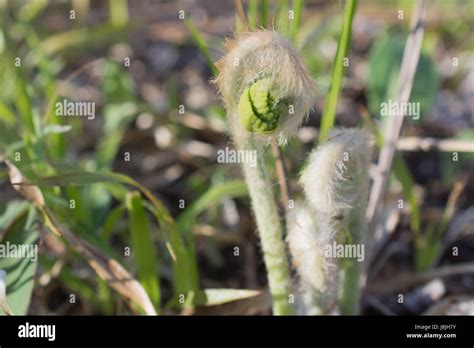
column 259, row 110
column 335, row 184
column 267, row 93
column 266, row 89
column 307, row 238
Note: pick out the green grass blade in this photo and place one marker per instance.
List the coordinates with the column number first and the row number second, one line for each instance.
column 85, row 36
column 20, row 271
column 142, row 245
column 282, row 17
column 252, row 14
column 211, row 197
column 404, row 176
column 296, row 21
column 111, row 221
column 263, row 12
column 427, row 247
column 6, row 114
column 118, row 10
column 329, row 114
column 23, row 103
column 31, row 10
column 201, row 44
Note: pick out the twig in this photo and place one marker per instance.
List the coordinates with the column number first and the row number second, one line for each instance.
column 282, row 174
column 411, row 56
column 430, row 144
column 409, row 280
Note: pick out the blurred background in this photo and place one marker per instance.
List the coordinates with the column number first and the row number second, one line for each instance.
column 146, row 66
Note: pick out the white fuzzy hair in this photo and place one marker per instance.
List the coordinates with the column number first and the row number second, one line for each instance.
column 334, row 182
column 307, row 237
column 266, row 53
column 337, row 173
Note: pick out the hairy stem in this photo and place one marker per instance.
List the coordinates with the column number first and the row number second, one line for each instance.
column 269, row 226
column 351, row 268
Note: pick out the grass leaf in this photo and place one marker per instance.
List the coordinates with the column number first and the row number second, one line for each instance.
column 329, row 114
column 264, row 12
column 404, row 176
column 252, row 13
column 296, row 21
column 201, row 44
column 282, row 17
column 211, row 197
column 20, row 270
column 143, row 248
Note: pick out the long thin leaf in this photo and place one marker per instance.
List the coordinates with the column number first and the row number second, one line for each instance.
column 111, row 220
column 295, row 23
column 252, row 13
column 329, row 114
column 282, row 17
column 210, row 197
column 263, row 12
column 20, row 271
column 215, row 194
column 201, row 44
column 23, row 102
column 142, row 244
column 404, row 176
column 82, row 36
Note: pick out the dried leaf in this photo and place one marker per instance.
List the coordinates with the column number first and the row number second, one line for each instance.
column 30, row 192
column 258, row 302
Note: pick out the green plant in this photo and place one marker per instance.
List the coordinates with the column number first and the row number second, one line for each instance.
column 384, row 62
column 110, row 226
column 329, row 115
column 335, row 183
column 268, row 72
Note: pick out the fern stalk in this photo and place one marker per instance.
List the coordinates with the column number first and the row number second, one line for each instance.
column 267, row 93
column 270, row 229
